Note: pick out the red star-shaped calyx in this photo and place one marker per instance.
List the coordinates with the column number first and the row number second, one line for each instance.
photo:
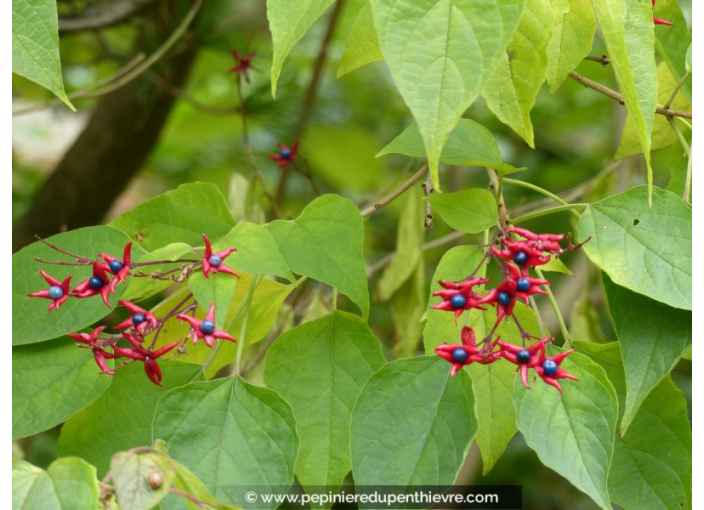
column 524, row 357
column 525, row 285
column 285, row 155
column 458, row 297
column 58, row 291
column 98, row 353
column 148, row 357
column 521, row 253
column 120, row 268
column 205, row 328
column 539, row 242
column 244, row 64
column 213, row 262
column 139, row 318
column 659, row 21
column 99, row 283
column 549, row 368
column 503, row 297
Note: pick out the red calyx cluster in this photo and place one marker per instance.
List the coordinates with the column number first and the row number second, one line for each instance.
column 515, row 257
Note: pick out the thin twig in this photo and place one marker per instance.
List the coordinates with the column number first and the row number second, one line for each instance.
column 677, row 89
column 428, row 189
column 97, row 16
column 602, row 89
column 396, row 193
column 495, row 182
column 602, row 59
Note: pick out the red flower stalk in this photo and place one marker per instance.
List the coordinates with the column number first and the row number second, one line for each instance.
column 503, row 297
column 462, row 355
column 549, row 368
column 120, row 268
column 286, row 155
column 524, row 357
column 539, row 242
column 205, row 328
column 244, row 64
column 99, row 283
column 659, row 21
column 139, row 319
column 525, row 285
column 459, row 297
column 212, row 262
column 58, row 291
column 139, row 353
column 522, row 253
column 98, row 353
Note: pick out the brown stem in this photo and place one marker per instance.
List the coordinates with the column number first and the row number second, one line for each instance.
column 428, row 189
column 396, row 193
column 602, row 59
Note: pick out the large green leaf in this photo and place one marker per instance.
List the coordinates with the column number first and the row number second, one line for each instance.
column 362, row 45
column 663, row 135
column 652, row 463
column 51, row 382
column 511, row 89
column 231, row 435
column 573, row 432
column 653, row 338
column 121, row 418
column 30, row 321
column 674, row 43
column 68, row 484
column 469, row 144
column 645, row 249
column 320, row 368
column 132, row 474
column 289, row 20
column 469, row 210
column 35, row 45
column 440, row 54
column 181, row 215
column 408, row 306
column 409, row 249
column 325, row 243
column 571, row 40
column 627, row 28
column 412, row 424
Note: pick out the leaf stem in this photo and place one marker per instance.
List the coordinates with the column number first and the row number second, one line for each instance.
column 677, row 89
column 556, row 309
column 396, row 193
column 540, row 190
column 545, row 212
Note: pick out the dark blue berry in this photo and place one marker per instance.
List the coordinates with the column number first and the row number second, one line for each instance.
column 215, row 260
column 549, row 367
column 523, row 356
column 116, row 266
column 523, row 285
column 207, row 327
column 95, row 283
column 520, row 258
column 505, row 298
column 459, row 355
column 138, row 319
column 285, row 153
column 56, row 292
column 458, row 301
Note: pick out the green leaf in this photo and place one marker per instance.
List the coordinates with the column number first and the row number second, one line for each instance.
column 469, row 210
column 131, row 474
column 646, row 250
column 320, row 368
column 30, row 321
column 627, row 28
column 571, row 40
column 362, row 46
column 35, row 45
column 67, row 484
column 573, row 432
column 663, row 135
column 325, row 243
column 653, row 338
column 557, row 266
column 652, row 463
column 289, row 20
column 469, row 144
column 405, row 424
column 440, row 54
column 51, row 382
column 181, row 215
column 674, row 44
column 584, row 323
column 409, row 250
column 511, row 89
column 121, row 418
column 248, row 439
column 256, row 251
column 408, row 306
column 142, row 288
column 218, row 289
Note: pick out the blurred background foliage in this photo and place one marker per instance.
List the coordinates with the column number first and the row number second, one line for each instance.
column 577, row 132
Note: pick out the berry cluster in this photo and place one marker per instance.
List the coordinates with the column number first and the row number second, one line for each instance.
column 141, row 322
column 515, row 258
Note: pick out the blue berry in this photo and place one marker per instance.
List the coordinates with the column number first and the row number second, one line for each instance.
column 523, row 356
column 56, row 292
column 116, row 266
column 520, row 258
column 523, row 285
column 207, row 327
column 215, row 260
column 95, row 283
column 285, row 153
column 549, row 367
column 138, row 319
column 458, row 301
column 459, row 355
column 505, row 298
